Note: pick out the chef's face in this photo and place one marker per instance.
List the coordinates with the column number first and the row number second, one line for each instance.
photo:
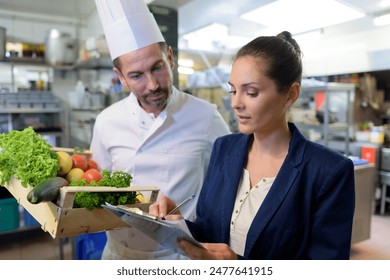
column 147, row 72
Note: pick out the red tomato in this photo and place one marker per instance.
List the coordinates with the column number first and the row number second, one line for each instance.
column 79, row 161
column 92, row 175
column 93, row 164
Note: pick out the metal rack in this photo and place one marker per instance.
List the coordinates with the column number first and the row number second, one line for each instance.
column 343, row 127
column 41, row 110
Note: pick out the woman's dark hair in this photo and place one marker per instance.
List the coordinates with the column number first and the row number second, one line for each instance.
column 283, row 56
column 163, row 46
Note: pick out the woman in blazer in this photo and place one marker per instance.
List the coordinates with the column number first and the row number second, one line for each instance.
column 269, row 193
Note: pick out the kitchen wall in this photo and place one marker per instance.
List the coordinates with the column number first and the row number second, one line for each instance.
column 337, row 52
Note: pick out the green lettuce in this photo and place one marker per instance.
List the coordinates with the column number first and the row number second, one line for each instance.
column 90, row 200
column 25, row 155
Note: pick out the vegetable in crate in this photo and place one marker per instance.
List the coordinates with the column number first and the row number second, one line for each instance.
column 116, row 179
column 25, row 155
column 47, row 190
column 92, row 200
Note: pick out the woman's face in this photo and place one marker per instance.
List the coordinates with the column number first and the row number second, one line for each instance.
column 147, row 72
column 259, row 107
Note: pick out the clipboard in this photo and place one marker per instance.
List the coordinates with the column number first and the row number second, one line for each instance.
column 164, row 232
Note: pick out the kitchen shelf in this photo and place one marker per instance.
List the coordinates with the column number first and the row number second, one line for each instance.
column 32, row 70
column 29, row 61
column 339, row 129
column 331, row 127
column 44, row 112
column 98, row 63
column 30, row 110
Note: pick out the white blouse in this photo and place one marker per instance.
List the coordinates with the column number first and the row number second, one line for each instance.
column 248, row 202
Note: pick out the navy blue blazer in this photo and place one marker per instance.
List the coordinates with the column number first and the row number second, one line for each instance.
column 307, row 214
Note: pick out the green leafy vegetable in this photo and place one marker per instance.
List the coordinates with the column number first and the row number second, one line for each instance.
column 90, row 200
column 26, row 156
column 118, row 179
column 78, row 150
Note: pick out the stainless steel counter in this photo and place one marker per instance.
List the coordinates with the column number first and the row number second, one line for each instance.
column 365, row 176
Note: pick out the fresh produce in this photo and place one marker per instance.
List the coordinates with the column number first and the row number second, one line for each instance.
column 92, row 164
column 116, row 179
column 25, row 155
column 119, row 179
column 92, row 200
column 79, row 161
column 65, row 162
column 74, row 174
column 92, row 175
column 47, row 190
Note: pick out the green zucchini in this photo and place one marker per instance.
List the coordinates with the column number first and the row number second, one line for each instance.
column 47, row 190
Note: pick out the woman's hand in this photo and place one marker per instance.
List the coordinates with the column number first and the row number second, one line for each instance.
column 214, row 251
column 162, row 206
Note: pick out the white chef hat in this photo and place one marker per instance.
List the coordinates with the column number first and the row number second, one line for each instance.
column 128, row 25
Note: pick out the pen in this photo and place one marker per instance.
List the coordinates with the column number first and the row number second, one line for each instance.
column 174, row 210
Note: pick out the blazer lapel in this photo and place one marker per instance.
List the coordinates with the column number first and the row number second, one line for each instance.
column 274, row 198
column 280, row 188
column 232, row 169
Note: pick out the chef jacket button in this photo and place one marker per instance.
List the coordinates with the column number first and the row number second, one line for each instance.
column 232, row 223
column 143, row 122
column 236, row 211
column 264, row 180
column 240, row 200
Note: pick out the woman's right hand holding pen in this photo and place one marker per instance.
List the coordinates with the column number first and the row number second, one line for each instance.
column 162, row 207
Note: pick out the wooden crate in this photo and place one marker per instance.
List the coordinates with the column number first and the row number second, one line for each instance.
column 62, row 220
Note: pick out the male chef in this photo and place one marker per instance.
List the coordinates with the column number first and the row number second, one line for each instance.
column 162, row 136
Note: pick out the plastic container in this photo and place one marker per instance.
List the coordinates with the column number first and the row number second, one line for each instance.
column 90, row 246
column 377, row 135
column 29, row 221
column 362, row 136
column 77, row 97
column 9, row 214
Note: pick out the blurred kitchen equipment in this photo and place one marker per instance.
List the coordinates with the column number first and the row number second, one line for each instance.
column 377, row 135
column 2, row 43
column 386, row 128
column 60, row 48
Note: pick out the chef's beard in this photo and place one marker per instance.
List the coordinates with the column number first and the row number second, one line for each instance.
column 163, row 94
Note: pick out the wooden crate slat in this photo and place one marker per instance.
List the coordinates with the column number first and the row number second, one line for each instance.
column 63, row 220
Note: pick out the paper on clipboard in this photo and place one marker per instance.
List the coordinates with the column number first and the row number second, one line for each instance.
column 163, row 231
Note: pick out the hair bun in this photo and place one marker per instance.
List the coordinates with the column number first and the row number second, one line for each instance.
column 285, row 35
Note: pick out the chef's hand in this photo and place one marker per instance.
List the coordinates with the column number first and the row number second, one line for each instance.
column 214, row 251
column 162, row 206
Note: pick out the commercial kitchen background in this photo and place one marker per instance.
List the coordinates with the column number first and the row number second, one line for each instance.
column 56, row 75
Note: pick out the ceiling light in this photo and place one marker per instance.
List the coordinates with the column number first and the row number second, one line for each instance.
column 212, row 37
column 308, row 37
column 235, row 42
column 185, row 70
column 186, row 62
column 384, row 3
column 207, row 37
column 382, row 20
column 302, row 15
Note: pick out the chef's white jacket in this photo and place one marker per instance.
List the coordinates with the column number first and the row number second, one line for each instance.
column 171, row 152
